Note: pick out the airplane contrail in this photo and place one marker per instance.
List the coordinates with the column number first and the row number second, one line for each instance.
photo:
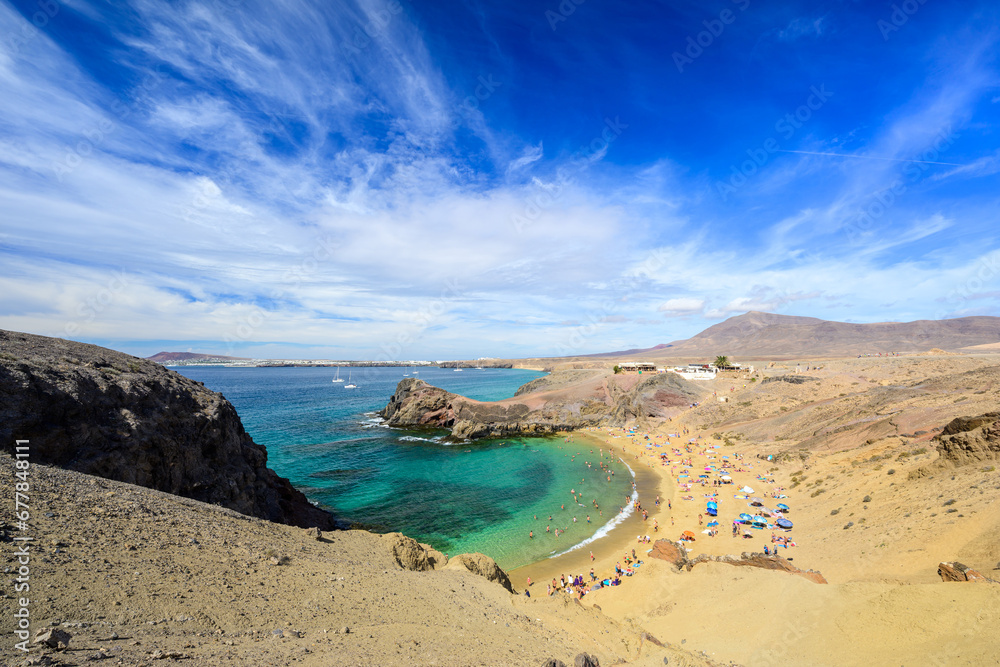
column 872, row 157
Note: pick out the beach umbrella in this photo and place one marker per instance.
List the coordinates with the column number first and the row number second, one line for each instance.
column 745, row 517
column 746, row 489
column 783, row 507
column 759, row 520
column 687, row 533
column 727, row 478
column 713, row 504
column 756, row 501
column 784, row 523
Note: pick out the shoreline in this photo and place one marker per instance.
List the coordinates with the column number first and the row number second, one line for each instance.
column 608, row 549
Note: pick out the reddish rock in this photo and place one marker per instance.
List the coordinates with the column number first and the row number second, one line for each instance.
column 669, row 551
column 674, row 553
column 777, row 563
column 956, row 571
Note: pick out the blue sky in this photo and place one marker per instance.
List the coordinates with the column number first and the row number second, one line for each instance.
column 404, row 180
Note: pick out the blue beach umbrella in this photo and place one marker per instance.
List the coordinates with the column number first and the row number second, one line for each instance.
column 784, row 523
column 783, row 506
column 746, row 517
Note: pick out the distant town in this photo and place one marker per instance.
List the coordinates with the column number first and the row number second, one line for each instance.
column 199, row 359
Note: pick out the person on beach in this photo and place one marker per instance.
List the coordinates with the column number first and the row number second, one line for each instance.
column 591, row 559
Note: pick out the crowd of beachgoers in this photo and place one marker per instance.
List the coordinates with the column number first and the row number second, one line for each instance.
column 697, row 467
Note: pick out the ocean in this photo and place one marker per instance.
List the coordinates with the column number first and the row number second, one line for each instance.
column 483, row 496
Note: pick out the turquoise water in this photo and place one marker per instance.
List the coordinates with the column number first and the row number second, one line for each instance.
column 479, row 496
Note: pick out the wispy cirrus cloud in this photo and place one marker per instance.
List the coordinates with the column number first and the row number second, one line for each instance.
column 307, row 175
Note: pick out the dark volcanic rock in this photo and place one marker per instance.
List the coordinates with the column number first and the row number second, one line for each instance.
column 564, row 401
column 101, row 412
column 416, row 403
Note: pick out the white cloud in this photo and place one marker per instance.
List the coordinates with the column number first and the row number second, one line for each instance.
column 682, row 306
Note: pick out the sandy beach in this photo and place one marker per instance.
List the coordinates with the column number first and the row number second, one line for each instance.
column 873, row 512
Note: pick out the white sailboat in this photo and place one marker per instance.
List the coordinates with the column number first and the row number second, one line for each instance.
column 350, row 385
column 338, row 378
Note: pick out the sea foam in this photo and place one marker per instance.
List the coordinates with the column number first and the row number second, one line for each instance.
column 610, row 525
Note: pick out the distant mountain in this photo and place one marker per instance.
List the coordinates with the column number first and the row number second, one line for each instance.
column 163, row 357
column 757, row 334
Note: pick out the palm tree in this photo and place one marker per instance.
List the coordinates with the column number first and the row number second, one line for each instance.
column 721, row 361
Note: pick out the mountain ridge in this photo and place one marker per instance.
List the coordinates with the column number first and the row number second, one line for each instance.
column 758, row 333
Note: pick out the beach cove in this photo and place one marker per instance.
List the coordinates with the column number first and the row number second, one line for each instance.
column 478, row 496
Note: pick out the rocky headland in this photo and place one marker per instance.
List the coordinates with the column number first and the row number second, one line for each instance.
column 105, row 413
column 562, row 401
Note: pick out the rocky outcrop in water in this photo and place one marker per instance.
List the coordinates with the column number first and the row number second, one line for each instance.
column 564, row 401
column 101, row 412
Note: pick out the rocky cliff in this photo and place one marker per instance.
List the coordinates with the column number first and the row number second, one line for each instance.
column 563, row 401
column 109, row 414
